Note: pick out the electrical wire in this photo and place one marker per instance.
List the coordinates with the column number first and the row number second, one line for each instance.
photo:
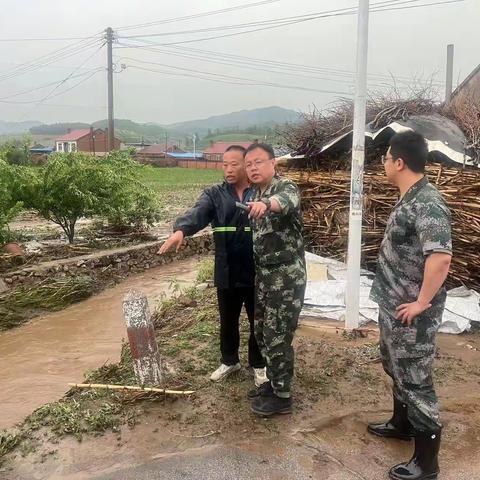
column 221, row 78
column 197, row 15
column 40, row 101
column 285, row 22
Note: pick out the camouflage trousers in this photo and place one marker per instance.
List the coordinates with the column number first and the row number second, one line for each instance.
column 276, row 319
column 407, row 356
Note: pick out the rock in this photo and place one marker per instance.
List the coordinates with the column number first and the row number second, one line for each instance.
column 33, row 247
column 202, row 286
column 3, row 286
column 8, row 280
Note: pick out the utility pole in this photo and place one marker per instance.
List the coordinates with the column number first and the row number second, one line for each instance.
column 166, row 143
column 194, row 147
column 352, row 293
column 449, row 80
column 111, row 124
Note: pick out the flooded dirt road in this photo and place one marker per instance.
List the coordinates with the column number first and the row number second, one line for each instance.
column 39, row 359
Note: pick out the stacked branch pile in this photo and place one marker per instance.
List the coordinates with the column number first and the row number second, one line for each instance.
column 326, row 200
column 324, row 179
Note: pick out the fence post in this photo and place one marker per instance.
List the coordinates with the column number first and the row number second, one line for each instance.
column 141, row 335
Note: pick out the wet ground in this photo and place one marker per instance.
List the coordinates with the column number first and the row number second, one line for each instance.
column 213, row 435
column 39, row 359
column 217, row 438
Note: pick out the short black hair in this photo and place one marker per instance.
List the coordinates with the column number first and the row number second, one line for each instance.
column 262, row 146
column 412, row 148
column 236, row 148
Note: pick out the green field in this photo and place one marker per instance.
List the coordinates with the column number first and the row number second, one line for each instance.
column 178, row 188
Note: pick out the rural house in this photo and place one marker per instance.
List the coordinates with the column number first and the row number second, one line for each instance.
column 215, row 152
column 470, row 87
column 85, row 140
column 157, row 154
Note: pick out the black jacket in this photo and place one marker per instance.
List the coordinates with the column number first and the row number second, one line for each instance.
column 234, row 265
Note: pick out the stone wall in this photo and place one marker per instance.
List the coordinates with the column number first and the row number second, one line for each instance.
column 109, row 266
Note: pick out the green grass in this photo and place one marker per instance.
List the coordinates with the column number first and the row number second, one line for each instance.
column 178, row 188
column 170, row 178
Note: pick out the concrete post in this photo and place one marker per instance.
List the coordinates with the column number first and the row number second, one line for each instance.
column 141, row 335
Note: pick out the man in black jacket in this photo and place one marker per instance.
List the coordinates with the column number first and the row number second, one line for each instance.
column 234, row 265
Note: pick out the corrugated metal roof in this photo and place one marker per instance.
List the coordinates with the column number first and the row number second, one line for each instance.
column 185, row 155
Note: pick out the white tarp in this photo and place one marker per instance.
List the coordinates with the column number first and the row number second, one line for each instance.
column 326, row 298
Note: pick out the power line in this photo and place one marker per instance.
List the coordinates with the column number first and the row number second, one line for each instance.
column 273, row 66
column 72, row 73
column 53, row 39
column 38, row 102
column 229, row 78
column 198, row 15
column 49, row 58
column 294, row 20
column 24, row 92
column 31, row 67
column 309, row 16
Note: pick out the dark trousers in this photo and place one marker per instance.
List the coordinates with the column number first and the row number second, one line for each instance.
column 230, row 303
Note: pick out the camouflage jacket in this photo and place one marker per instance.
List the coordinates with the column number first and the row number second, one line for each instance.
column 418, row 226
column 278, row 237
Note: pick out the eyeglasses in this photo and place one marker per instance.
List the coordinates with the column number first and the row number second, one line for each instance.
column 385, row 158
column 256, row 163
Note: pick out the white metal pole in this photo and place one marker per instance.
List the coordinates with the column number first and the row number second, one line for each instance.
column 352, row 294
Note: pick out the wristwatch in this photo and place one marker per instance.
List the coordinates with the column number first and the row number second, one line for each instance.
column 267, row 202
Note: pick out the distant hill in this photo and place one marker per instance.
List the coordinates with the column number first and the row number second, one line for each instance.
column 126, row 130
column 7, row 128
column 253, row 123
column 57, row 128
column 244, row 119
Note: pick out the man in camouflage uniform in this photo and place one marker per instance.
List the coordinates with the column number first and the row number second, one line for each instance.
column 413, row 264
column 280, row 276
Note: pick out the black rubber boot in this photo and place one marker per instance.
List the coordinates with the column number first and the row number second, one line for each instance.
column 424, row 463
column 271, row 405
column 263, row 390
column 397, row 427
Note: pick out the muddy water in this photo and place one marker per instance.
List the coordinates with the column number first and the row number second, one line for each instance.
column 39, row 359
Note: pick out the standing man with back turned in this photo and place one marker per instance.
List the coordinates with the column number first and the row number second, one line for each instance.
column 234, row 266
column 280, row 276
column 413, row 265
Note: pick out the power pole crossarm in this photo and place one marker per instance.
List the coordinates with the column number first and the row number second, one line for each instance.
column 111, row 123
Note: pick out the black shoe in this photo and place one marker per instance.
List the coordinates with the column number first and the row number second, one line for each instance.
column 424, row 463
column 263, row 390
column 271, row 405
column 397, row 427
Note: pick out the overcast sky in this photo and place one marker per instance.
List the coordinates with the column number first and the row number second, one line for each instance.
column 405, row 43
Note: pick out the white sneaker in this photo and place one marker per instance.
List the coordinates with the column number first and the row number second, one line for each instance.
column 224, row 371
column 260, row 376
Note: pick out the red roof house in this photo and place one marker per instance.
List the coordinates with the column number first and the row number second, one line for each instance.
column 215, row 152
column 85, row 140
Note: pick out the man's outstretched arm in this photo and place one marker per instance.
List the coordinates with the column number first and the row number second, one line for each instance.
column 191, row 222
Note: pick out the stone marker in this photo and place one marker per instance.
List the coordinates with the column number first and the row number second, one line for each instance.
column 141, row 335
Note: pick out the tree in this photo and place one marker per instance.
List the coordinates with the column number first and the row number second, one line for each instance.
column 9, row 207
column 16, row 152
column 132, row 204
column 77, row 185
